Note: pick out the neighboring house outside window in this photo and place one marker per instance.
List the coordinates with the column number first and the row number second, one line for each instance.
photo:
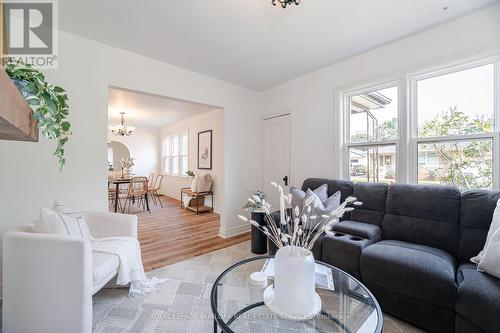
column 175, row 154
column 435, row 127
column 372, row 133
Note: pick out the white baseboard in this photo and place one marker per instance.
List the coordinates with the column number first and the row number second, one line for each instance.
column 227, row 233
column 168, row 195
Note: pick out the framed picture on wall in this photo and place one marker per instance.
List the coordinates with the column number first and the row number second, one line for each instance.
column 205, row 150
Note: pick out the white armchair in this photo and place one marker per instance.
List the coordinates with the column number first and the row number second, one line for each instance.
column 49, row 280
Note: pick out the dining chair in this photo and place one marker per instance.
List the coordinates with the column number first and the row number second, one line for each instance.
column 151, row 179
column 154, row 191
column 137, row 193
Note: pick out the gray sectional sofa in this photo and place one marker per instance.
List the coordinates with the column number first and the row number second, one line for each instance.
column 411, row 245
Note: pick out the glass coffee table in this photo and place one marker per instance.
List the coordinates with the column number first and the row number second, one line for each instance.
column 238, row 305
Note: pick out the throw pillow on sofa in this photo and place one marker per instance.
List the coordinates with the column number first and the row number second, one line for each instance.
column 323, row 207
column 494, row 226
column 490, row 262
column 298, row 196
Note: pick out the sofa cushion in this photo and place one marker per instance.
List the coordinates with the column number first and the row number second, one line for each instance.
column 417, row 271
column 325, row 207
column 298, row 196
column 373, row 196
column 104, row 267
column 423, row 214
column 476, row 213
column 432, row 318
column 463, row 325
column 478, row 298
column 363, row 230
column 344, row 186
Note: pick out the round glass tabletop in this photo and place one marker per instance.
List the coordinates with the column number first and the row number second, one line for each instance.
column 238, row 305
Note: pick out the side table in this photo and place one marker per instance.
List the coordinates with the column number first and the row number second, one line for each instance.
column 259, row 239
column 197, row 197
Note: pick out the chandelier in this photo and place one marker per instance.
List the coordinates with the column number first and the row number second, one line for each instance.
column 121, row 129
column 285, row 3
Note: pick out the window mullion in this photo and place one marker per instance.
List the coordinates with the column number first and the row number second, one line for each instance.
column 496, row 161
column 402, row 156
column 467, row 137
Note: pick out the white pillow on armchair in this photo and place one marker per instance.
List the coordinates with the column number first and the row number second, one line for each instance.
column 53, row 222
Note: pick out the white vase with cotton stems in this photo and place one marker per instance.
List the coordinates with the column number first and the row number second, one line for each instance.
column 293, row 294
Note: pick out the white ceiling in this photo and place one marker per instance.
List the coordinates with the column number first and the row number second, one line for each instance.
column 143, row 109
column 252, row 43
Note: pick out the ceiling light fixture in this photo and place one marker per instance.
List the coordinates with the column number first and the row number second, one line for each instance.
column 122, row 130
column 285, row 3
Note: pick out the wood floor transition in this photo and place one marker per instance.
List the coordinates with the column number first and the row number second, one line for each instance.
column 172, row 234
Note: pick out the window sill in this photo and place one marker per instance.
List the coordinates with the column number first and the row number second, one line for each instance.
column 176, row 176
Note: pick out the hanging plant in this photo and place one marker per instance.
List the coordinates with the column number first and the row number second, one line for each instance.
column 48, row 102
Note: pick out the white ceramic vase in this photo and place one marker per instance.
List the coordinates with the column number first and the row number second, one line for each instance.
column 294, row 282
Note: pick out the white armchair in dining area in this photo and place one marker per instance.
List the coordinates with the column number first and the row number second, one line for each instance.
column 49, row 280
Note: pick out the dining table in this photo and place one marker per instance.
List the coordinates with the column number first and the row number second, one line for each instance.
column 119, row 181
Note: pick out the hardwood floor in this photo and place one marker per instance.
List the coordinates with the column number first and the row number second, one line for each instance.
column 172, row 234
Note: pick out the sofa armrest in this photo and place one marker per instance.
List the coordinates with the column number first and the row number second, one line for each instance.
column 359, row 229
column 104, row 224
column 48, row 279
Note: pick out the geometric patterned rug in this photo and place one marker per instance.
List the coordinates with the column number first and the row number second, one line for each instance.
column 182, row 304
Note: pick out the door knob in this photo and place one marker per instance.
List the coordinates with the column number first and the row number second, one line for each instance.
column 285, row 179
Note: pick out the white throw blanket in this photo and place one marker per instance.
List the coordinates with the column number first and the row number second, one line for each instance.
column 186, row 200
column 130, row 269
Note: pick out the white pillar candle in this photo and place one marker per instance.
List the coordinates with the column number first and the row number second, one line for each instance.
column 282, row 209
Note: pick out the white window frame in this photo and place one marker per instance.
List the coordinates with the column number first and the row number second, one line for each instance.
column 413, row 125
column 179, row 155
column 347, row 125
column 408, row 140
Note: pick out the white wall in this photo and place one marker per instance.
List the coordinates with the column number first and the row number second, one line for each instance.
column 209, row 120
column 29, row 173
column 144, row 146
column 312, row 100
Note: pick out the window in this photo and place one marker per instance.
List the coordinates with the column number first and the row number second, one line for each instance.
column 455, row 123
column 373, row 134
column 175, row 154
column 445, row 132
column 463, row 163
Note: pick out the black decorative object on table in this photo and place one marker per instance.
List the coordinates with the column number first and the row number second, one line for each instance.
column 259, row 240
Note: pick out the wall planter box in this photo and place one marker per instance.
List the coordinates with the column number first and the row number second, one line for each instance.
column 16, row 117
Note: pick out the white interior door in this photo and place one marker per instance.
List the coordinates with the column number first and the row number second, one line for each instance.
column 275, row 156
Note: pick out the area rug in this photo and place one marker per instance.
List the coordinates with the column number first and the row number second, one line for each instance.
column 183, row 302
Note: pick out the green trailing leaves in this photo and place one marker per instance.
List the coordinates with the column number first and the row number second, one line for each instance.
column 48, row 102
column 459, row 158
